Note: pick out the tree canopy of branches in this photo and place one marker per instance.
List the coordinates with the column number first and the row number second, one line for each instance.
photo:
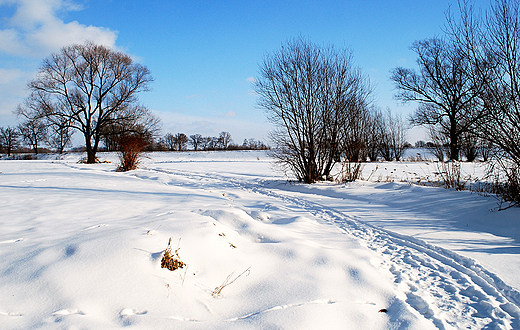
column 443, row 87
column 312, row 94
column 493, row 45
column 92, row 87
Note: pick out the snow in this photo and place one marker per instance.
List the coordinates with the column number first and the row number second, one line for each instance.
column 81, row 247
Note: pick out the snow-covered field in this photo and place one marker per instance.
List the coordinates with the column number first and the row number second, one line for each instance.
column 81, row 248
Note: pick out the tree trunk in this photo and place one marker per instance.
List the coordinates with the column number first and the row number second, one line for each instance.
column 91, row 151
column 454, row 143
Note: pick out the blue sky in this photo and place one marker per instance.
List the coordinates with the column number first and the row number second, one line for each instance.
column 204, row 54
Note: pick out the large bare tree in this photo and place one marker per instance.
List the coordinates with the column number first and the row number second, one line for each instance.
column 92, row 87
column 493, row 44
column 444, row 89
column 310, row 92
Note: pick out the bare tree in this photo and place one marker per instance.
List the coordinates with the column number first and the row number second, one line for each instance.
column 493, row 46
column 396, row 133
column 169, row 140
column 33, row 132
column 196, row 141
column 309, row 91
column 374, row 134
column 224, row 139
column 181, row 141
column 443, row 87
column 9, row 138
column 90, row 85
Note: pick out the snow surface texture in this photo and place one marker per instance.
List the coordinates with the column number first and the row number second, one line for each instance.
column 81, row 247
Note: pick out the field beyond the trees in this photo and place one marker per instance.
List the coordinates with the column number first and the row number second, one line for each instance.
column 81, row 246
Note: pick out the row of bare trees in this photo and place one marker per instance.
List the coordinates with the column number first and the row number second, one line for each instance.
column 34, row 134
column 197, row 142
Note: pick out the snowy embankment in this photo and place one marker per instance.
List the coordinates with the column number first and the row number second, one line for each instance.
column 81, row 247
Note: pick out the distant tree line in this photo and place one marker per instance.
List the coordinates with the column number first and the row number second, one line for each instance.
column 36, row 138
column 197, row 142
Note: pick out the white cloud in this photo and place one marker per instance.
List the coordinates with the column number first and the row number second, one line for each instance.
column 251, row 80
column 230, row 114
column 36, row 30
column 12, row 91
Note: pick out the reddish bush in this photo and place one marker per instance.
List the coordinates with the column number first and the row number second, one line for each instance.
column 130, row 152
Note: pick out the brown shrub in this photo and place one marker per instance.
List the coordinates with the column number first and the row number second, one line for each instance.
column 130, row 152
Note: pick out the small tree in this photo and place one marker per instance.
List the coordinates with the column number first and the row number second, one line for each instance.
column 169, row 140
column 180, row 141
column 469, row 146
column 196, row 141
column 33, row 132
column 9, row 137
column 224, row 140
column 374, row 132
column 396, row 133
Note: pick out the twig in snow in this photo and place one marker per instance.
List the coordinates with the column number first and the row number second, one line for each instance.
column 218, row 290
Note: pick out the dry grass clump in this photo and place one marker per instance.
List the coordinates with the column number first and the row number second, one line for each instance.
column 451, row 175
column 171, row 260
column 97, row 161
column 350, row 172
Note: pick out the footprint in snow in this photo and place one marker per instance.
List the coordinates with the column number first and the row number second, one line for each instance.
column 129, row 315
column 12, row 241
column 10, row 314
column 131, row 311
column 59, row 315
column 63, row 312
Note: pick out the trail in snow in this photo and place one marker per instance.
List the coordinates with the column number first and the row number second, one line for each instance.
column 451, row 290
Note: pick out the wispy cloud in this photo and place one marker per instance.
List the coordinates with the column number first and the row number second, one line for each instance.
column 230, row 114
column 251, row 80
column 35, row 29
